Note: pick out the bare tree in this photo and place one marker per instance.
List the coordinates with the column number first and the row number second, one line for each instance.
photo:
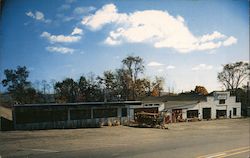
column 233, row 74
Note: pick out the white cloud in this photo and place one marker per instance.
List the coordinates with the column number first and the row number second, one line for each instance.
column 231, row 40
column 211, row 37
column 202, row 67
column 153, row 63
column 39, row 16
column 170, row 67
column 62, row 50
column 155, row 27
column 107, row 14
column 77, row 31
column 60, row 38
column 111, row 41
column 82, row 10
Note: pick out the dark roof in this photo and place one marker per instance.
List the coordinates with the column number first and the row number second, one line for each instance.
column 180, row 97
column 154, row 99
column 82, row 104
column 186, row 97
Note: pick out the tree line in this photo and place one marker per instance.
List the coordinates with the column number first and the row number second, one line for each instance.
column 125, row 83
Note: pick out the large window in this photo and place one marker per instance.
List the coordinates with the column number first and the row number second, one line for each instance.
column 35, row 115
column 79, row 114
column 105, row 113
column 234, row 111
column 222, row 101
column 124, row 112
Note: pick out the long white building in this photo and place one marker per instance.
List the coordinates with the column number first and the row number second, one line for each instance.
column 219, row 105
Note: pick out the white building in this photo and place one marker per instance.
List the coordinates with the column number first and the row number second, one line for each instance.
column 219, row 105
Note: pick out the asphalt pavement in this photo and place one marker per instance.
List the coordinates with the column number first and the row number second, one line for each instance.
column 204, row 139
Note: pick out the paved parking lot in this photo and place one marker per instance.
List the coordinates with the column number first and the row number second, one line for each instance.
column 204, row 139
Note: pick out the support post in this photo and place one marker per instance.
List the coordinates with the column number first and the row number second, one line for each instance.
column 92, row 113
column 68, row 114
column 14, row 117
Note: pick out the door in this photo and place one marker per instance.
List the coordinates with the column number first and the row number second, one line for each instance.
column 206, row 113
column 221, row 113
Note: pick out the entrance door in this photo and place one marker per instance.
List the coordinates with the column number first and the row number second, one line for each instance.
column 206, row 113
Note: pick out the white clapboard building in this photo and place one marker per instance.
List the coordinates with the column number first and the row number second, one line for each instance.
column 217, row 105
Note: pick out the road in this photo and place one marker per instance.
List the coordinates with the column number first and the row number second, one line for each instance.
column 205, row 139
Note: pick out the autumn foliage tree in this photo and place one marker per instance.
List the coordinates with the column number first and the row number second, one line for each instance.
column 201, row 90
column 157, row 86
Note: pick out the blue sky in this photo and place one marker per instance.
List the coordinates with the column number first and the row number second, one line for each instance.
column 185, row 41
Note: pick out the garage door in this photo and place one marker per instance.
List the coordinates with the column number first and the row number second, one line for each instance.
column 192, row 113
column 206, row 113
column 221, row 113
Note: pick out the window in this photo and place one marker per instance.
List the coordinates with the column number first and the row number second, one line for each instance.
column 192, row 113
column 105, row 113
column 124, row 112
column 79, row 114
column 222, row 101
column 234, row 111
column 38, row 115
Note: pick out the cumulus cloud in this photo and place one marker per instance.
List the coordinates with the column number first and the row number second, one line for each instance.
column 202, row 67
column 170, row 67
column 39, row 16
column 155, row 27
column 211, row 37
column 153, row 63
column 231, row 40
column 107, row 14
column 77, row 31
column 60, row 38
column 62, row 50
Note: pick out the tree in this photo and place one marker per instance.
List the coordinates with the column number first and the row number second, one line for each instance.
column 134, row 66
column 142, row 87
column 200, row 90
column 243, row 96
column 233, row 74
column 123, row 84
column 66, row 91
column 17, row 85
column 157, row 86
column 89, row 88
column 83, row 87
column 110, row 85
